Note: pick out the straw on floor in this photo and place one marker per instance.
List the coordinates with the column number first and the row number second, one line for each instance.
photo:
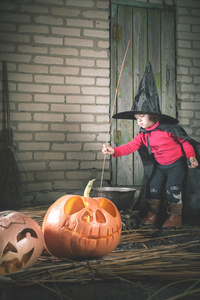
column 176, row 261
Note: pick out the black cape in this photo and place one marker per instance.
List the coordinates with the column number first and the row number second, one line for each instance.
column 191, row 186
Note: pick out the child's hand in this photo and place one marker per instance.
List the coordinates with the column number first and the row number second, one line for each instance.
column 193, row 161
column 108, row 150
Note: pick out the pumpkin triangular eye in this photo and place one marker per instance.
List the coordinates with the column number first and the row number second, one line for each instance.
column 108, row 206
column 26, row 257
column 87, row 216
column 74, row 204
column 100, row 218
column 9, row 248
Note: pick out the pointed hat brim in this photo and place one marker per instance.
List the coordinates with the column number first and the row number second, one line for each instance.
column 146, row 99
column 130, row 115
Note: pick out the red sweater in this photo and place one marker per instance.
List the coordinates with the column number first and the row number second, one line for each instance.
column 166, row 147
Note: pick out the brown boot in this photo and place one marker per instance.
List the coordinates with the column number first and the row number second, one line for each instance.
column 154, row 206
column 175, row 212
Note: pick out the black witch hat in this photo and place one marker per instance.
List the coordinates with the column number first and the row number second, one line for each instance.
column 146, row 100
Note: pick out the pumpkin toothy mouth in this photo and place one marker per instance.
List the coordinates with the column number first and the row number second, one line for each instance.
column 10, row 266
column 91, row 236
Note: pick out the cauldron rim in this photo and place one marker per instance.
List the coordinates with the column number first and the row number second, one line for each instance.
column 115, row 189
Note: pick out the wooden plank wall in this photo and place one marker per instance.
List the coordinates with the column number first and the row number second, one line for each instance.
column 152, row 39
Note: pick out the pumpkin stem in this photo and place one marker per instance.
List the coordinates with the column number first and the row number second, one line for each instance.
column 88, row 188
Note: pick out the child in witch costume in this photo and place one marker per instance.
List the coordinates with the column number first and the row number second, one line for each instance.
column 164, row 148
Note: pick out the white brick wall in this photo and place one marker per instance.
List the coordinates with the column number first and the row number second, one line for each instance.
column 188, row 65
column 58, row 56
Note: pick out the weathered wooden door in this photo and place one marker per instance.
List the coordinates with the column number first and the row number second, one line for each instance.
column 151, row 31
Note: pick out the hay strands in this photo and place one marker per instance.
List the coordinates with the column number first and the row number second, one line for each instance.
column 144, row 235
column 168, row 262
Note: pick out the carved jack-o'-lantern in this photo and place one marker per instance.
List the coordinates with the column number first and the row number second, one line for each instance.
column 21, row 241
column 80, row 226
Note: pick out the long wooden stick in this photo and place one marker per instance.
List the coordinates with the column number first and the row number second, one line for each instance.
column 8, row 128
column 115, row 98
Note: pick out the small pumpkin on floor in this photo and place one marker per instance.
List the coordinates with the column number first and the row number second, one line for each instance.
column 21, row 242
column 80, row 226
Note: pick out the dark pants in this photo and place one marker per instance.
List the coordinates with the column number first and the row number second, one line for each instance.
column 171, row 177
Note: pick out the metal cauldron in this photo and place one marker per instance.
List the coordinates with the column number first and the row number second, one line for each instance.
column 122, row 197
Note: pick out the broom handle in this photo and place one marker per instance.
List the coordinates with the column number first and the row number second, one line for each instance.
column 115, row 98
column 7, row 102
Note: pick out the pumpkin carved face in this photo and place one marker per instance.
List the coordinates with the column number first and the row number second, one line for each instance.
column 78, row 226
column 21, row 241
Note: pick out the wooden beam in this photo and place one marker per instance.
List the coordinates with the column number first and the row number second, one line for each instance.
column 143, row 5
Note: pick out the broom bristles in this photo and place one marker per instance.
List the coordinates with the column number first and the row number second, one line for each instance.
column 10, row 182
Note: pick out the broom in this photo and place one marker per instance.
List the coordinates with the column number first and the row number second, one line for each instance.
column 10, row 181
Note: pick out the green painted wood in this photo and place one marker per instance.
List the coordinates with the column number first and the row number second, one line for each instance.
column 140, row 18
column 168, row 64
column 152, row 38
column 114, row 78
column 133, row 3
column 154, row 51
column 125, row 95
